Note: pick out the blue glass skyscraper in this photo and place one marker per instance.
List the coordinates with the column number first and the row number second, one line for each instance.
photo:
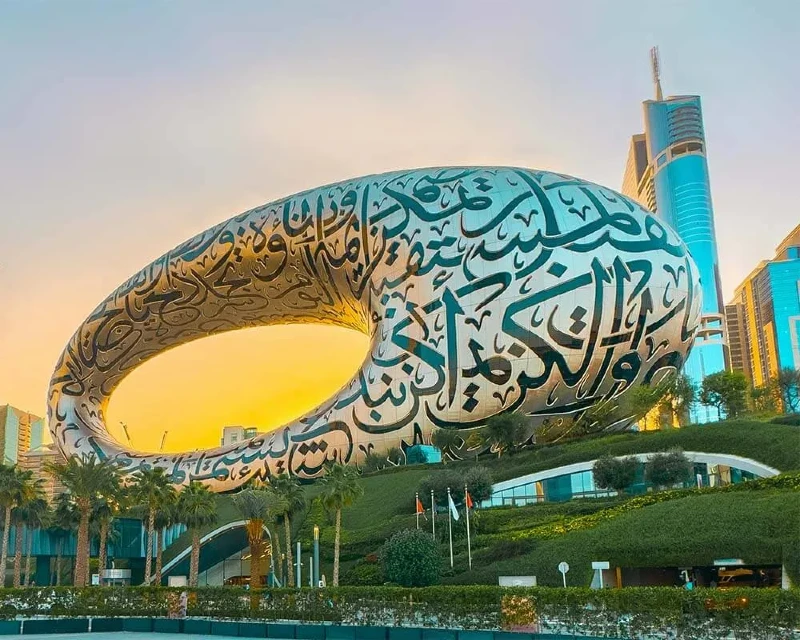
column 667, row 171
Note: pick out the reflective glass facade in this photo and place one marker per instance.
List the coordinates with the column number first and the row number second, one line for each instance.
column 581, row 485
column 675, row 185
column 20, row 431
column 766, row 306
column 676, row 147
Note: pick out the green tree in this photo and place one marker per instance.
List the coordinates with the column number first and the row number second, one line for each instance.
column 165, row 517
column 680, row 397
column 260, row 507
column 35, row 514
column 87, row 479
column 64, row 521
column 411, row 558
column 788, row 383
column 667, row 469
column 29, row 490
column 615, row 473
column 478, row 480
column 197, row 508
column 597, row 418
column 642, row 399
column 10, row 493
column 766, row 397
column 294, row 501
column 725, row 390
column 104, row 510
column 152, row 490
column 340, row 488
column 446, row 440
column 505, row 431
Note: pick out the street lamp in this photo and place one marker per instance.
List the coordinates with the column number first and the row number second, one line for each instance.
column 316, row 555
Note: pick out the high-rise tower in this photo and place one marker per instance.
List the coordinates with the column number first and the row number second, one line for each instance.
column 667, row 172
column 764, row 316
column 20, row 431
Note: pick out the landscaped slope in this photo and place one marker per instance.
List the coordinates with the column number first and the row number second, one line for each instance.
column 757, row 526
column 388, row 502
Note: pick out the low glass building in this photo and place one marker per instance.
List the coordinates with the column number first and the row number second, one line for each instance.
column 566, row 484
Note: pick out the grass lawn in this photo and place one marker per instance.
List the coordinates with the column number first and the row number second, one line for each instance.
column 759, row 527
column 388, row 502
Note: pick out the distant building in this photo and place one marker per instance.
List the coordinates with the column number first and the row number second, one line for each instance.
column 667, row 172
column 19, row 432
column 36, row 461
column 234, row 435
column 764, row 316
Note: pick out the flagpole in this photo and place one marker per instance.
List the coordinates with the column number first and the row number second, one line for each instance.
column 433, row 515
column 416, row 508
column 469, row 542
column 450, row 525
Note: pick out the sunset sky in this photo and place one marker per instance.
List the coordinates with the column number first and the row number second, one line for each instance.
column 127, row 127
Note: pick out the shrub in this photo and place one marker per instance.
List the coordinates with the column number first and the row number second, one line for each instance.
column 396, row 456
column 792, row 421
column 411, row 558
column 374, row 462
column 505, row 431
column 667, row 469
column 447, row 440
column 630, row 613
column 506, row 549
column 479, row 482
column 615, row 473
column 478, row 479
column 788, row 385
column 363, row 574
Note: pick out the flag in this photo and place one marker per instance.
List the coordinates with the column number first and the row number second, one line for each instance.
column 453, row 510
column 420, row 508
column 470, row 504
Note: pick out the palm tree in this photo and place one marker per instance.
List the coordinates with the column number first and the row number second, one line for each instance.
column 152, row 490
column 104, row 510
column 63, row 522
column 11, row 492
column 289, row 489
column 87, row 480
column 260, row 508
column 165, row 517
column 7, row 496
column 29, row 490
column 340, row 488
column 197, row 508
column 36, row 515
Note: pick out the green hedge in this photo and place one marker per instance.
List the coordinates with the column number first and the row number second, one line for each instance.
column 622, row 613
column 760, row 527
column 560, row 526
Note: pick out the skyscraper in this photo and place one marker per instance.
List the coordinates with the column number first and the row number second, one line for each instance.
column 667, row 172
column 19, row 432
column 36, row 461
column 766, row 311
